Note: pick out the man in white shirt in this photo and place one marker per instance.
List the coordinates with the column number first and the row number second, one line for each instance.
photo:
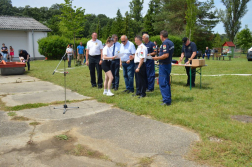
column 140, row 67
column 115, row 65
column 127, row 62
column 94, row 59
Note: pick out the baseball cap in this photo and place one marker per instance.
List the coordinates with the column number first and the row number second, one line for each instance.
column 184, row 39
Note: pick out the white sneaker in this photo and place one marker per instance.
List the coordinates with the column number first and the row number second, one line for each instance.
column 105, row 93
column 110, row 94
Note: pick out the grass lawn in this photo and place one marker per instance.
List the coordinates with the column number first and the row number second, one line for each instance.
column 206, row 111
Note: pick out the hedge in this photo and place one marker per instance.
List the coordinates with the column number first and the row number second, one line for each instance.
column 54, row 47
column 176, row 40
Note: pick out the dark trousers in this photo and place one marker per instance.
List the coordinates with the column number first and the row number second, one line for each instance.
column 69, row 60
column 115, row 68
column 150, row 71
column 193, row 75
column 28, row 63
column 140, row 78
column 164, row 82
column 94, row 63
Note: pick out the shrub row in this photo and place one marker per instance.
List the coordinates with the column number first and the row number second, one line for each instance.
column 54, row 47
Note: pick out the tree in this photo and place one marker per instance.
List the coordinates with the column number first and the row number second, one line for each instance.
column 217, row 41
column 191, row 14
column 117, row 25
column 149, row 17
column 136, row 7
column 6, row 7
column 171, row 17
column 72, row 20
column 244, row 38
column 231, row 17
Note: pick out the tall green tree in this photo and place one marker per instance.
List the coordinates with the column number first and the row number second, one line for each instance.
column 6, row 7
column 217, row 41
column 243, row 38
column 149, row 18
column 231, row 17
column 117, row 25
column 136, row 7
column 72, row 19
column 191, row 14
column 171, row 17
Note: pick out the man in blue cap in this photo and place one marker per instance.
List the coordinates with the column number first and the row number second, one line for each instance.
column 165, row 58
column 189, row 51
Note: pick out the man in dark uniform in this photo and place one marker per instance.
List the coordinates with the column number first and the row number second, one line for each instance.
column 26, row 56
column 165, row 58
column 189, row 51
column 207, row 53
column 150, row 65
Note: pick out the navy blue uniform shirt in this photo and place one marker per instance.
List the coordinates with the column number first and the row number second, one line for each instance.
column 151, row 47
column 24, row 54
column 166, row 47
column 208, row 52
column 188, row 50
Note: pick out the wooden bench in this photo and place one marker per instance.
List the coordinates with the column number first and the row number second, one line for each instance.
column 219, row 57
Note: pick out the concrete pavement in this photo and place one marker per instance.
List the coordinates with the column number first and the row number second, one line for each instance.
column 122, row 137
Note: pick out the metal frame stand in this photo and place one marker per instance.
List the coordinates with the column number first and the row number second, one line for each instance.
column 197, row 71
column 65, row 72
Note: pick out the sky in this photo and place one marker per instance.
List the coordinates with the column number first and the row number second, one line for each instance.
column 110, row 7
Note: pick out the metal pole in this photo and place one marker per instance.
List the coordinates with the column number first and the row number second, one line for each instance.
column 190, row 78
column 33, row 45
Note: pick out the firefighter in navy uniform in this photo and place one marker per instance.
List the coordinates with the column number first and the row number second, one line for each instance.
column 189, row 51
column 150, row 65
column 165, row 58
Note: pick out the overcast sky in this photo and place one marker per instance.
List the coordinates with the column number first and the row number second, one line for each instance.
column 109, row 8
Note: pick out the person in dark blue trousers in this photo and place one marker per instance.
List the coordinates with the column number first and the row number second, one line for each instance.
column 165, row 58
column 115, row 64
column 207, row 53
column 127, row 62
column 150, row 64
column 189, row 51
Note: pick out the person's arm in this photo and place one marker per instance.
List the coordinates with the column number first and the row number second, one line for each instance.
column 87, row 53
column 181, row 57
column 164, row 56
column 192, row 57
column 101, row 56
column 78, row 51
column 139, row 65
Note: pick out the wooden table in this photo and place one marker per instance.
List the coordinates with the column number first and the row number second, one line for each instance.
column 192, row 67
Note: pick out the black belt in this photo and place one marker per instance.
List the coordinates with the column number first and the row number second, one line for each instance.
column 115, row 59
column 126, row 61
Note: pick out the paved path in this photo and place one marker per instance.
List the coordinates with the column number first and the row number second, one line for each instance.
column 123, row 138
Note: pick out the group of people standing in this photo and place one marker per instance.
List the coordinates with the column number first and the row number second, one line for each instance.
column 138, row 62
column 6, row 54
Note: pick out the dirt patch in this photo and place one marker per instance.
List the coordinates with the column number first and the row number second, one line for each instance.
column 20, row 118
column 56, row 147
column 242, row 118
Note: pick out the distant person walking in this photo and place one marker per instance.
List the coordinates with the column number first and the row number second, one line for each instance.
column 69, row 52
column 11, row 54
column 94, row 59
column 4, row 50
column 81, row 53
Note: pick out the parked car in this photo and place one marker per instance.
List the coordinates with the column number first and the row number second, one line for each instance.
column 249, row 56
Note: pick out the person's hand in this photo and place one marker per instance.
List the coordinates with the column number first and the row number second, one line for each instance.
column 120, row 64
column 137, row 70
column 87, row 63
column 155, row 58
column 188, row 62
column 114, row 57
column 100, row 62
column 128, row 61
column 131, row 57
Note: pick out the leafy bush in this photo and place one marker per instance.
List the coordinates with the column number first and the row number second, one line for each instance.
column 53, row 47
column 175, row 39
